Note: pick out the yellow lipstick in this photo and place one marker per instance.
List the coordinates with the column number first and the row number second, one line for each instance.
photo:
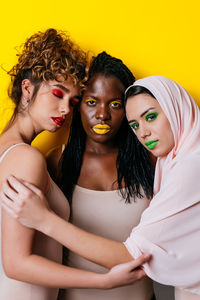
column 101, row 129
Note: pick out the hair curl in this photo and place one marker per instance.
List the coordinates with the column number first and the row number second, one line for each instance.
column 49, row 55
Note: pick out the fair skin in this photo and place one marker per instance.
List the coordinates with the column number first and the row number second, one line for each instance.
column 146, row 129
column 153, row 130
column 52, row 104
column 149, row 123
column 106, row 252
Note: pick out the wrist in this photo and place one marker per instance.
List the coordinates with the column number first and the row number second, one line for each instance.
column 45, row 226
column 106, row 282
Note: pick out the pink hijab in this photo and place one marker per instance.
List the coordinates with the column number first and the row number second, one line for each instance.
column 170, row 226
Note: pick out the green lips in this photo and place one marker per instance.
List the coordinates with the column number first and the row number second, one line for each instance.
column 151, row 144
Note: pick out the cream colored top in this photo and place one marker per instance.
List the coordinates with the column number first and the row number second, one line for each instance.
column 44, row 246
column 106, row 213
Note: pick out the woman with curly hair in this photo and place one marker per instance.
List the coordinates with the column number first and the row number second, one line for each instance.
column 45, row 87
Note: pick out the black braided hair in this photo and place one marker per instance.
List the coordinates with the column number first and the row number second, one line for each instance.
column 133, row 163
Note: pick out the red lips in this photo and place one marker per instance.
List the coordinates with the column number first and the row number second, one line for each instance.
column 58, row 120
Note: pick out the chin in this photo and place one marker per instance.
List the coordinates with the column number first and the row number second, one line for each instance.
column 160, row 154
column 54, row 129
column 102, row 138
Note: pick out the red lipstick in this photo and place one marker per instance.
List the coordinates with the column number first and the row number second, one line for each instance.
column 58, row 120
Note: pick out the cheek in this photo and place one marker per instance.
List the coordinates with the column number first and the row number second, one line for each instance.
column 167, row 134
column 87, row 114
column 117, row 118
column 171, row 138
column 85, row 119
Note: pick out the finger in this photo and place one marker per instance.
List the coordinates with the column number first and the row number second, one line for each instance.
column 16, row 184
column 8, row 190
column 6, row 201
column 32, row 187
column 139, row 261
column 9, row 210
column 138, row 274
column 142, row 259
column 25, row 184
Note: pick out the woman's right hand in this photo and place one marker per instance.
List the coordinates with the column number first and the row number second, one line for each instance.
column 127, row 273
column 24, row 202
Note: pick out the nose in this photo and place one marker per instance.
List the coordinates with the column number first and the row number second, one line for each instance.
column 102, row 113
column 65, row 107
column 144, row 131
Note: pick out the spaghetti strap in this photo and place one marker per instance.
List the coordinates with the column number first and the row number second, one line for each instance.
column 8, row 149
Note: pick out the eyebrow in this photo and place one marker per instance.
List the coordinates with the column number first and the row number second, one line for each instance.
column 96, row 98
column 62, row 87
column 146, row 111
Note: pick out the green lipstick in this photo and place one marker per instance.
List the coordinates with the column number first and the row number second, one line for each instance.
column 151, row 144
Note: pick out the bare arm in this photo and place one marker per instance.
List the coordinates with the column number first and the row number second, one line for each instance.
column 17, row 240
column 36, row 213
column 97, row 249
column 18, row 260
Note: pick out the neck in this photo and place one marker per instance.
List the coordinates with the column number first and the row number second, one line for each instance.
column 101, row 148
column 22, row 129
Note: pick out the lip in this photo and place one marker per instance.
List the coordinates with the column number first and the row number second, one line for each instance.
column 101, row 128
column 151, row 144
column 58, row 120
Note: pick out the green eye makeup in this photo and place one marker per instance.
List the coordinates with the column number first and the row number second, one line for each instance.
column 151, row 117
column 135, row 125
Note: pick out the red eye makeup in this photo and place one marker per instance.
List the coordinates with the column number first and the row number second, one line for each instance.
column 58, row 93
column 74, row 102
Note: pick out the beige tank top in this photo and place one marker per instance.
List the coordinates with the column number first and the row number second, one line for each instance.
column 106, row 213
column 183, row 295
column 16, row 290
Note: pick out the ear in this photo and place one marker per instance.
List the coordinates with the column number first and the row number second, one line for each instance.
column 27, row 91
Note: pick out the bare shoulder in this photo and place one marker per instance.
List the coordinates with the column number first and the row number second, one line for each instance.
column 25, row 162
column 52, row 158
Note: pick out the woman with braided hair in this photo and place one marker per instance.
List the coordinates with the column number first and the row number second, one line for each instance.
column 45, row 87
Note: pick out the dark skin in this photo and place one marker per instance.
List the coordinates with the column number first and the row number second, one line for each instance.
column 101, row 104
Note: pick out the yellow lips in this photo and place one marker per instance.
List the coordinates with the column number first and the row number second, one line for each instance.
column 101, row 129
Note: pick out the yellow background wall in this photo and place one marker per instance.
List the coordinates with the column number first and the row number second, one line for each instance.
column 152, row 37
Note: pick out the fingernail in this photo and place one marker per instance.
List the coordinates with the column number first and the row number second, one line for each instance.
column 147, row 255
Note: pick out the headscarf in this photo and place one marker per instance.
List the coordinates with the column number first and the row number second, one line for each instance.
column 170, row 226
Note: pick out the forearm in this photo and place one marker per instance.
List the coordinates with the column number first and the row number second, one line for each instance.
column 100, row 250
column 41, row 271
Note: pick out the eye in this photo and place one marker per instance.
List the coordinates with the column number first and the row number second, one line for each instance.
column 151, row 117
column 134, row 125
column 90, row 102
column 116, row 104
column 74, row 102
column 58, row 93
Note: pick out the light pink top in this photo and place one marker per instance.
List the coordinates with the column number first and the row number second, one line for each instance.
column 170, row 226
column 44, row 246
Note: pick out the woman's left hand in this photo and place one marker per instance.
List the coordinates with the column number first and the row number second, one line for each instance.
column 24, row 202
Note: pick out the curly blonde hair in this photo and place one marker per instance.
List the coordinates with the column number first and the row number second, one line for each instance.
column 48, row 55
